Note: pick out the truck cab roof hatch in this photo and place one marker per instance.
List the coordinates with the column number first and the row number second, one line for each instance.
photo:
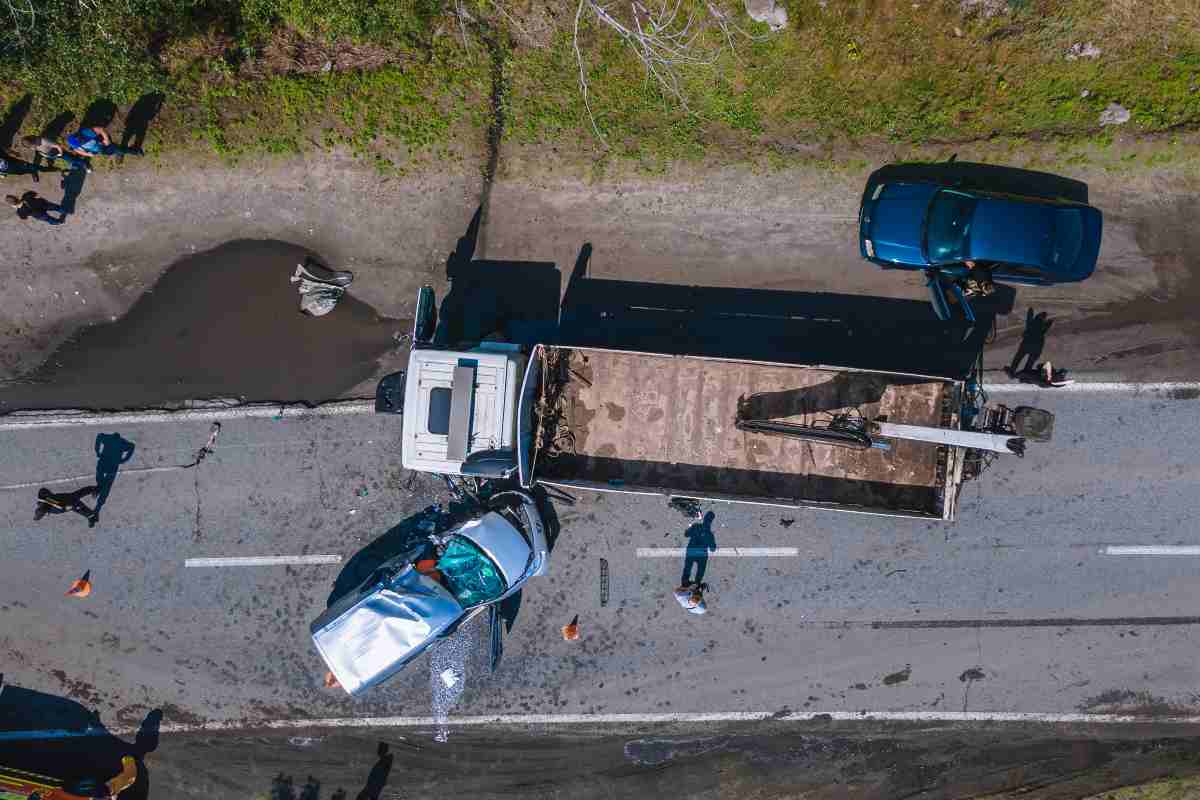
column 461, row 395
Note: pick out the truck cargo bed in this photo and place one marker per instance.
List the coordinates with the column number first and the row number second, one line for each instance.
column 667, row 423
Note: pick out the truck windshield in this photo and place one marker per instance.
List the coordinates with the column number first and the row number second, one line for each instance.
column 439, row 411
column 948, row 227
column 470, row 574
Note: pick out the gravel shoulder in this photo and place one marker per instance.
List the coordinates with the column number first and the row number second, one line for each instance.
column 789, row 231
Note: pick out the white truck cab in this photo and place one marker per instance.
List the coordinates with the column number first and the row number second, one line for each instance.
column 459, row 403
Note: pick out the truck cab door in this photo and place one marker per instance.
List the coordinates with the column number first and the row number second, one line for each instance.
column 526, row 424
column 425, row 319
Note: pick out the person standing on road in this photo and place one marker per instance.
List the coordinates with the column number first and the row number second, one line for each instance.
column 691, row 598
column 50, row 503
column 700, row 541
column 31, row 205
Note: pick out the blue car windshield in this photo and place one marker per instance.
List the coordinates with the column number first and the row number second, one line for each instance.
column 948, row 227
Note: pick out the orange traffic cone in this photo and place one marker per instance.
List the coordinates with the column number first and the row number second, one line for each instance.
column 330, row 681
column 571, row 632
column 81, row 587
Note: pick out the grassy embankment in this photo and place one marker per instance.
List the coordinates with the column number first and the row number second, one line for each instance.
column 402, row 82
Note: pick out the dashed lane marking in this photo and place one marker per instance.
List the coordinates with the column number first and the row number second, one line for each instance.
column 720, row 552
column 1152, row 550
column 261, row 561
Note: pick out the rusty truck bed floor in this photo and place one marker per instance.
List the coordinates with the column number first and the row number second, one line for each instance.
column 661, row 421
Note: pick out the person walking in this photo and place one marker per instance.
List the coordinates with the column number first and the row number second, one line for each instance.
column 50, row 503
column 31, row 205
column 691, row 598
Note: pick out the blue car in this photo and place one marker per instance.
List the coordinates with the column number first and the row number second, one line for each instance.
column 939, row 228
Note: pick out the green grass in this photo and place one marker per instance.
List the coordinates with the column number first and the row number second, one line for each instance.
column 857, row 70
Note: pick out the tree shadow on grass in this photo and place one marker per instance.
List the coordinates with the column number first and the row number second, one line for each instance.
column 14, row 118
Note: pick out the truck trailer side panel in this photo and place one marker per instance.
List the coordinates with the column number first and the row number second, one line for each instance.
column 659, row 423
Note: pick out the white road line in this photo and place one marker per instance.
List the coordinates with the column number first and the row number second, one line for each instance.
column 720, row 552
column 261, row 561
column 667, row 718
column 1097, row 387
column 1152, row 550
column 23, row 420
column 684, row 717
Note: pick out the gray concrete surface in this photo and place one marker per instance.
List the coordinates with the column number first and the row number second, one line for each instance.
column 789, row 230
column 964, row 606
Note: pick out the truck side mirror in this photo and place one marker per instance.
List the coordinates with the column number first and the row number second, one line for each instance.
column 389, row 394
column 425, row 318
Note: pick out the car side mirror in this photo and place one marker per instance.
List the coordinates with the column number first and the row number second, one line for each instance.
column 490, row 464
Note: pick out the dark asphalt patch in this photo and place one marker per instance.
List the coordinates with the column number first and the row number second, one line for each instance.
column 224, row 323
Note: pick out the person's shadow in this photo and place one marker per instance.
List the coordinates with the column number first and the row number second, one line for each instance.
column 112, row 450
column 138, row 120
column 1033, row 341
column 378, row 777
column 72, row 184
column 701, row 542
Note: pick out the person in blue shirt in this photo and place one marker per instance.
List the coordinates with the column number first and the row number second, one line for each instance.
column 88, row 142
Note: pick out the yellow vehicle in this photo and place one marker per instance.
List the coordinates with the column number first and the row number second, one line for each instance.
column 16, row 784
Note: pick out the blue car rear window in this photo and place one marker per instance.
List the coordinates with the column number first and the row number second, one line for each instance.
column 1068, row 238
column 948, row 227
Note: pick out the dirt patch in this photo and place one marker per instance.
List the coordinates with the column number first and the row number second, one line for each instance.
column 1138, row 704
column 79, row 690
column 223, row 323
column 290, row 53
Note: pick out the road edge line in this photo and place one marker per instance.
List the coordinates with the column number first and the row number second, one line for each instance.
column 37, row 420
column 666, row 718
column 1097, row 387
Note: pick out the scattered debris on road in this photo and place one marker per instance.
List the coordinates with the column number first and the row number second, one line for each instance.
column 82, row 587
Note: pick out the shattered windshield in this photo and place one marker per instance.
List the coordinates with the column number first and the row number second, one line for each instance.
column 470, row 575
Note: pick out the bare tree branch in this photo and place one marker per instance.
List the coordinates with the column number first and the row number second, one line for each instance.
column 583, row 84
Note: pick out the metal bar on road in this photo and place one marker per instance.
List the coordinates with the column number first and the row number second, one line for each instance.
column 261, row 561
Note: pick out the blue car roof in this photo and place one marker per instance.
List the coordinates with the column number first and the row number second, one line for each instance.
column 1018, row 232
column 1012, row 232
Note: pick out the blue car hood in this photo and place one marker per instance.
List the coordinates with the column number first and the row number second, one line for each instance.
column 895, row 228
column 1015, row 233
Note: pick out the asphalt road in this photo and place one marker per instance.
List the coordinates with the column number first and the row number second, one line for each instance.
column 1013, row 608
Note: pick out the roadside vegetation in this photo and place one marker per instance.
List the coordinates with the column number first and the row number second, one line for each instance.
column 406, row 82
